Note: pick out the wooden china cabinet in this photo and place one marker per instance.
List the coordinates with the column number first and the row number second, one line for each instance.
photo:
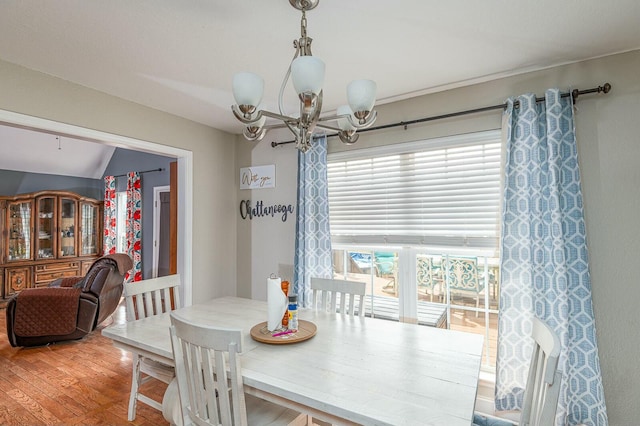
column 44, row 236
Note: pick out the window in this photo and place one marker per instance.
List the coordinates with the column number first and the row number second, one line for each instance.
column 420, row 223
column 121, row 222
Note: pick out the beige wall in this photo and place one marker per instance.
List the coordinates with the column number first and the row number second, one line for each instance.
column 608, row 129
column 266, row 243
column 214, row 219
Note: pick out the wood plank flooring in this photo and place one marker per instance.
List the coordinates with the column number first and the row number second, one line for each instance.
column 84, row 382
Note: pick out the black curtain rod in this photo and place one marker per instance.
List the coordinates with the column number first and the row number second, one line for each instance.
column 574, row 93
column 144, row 171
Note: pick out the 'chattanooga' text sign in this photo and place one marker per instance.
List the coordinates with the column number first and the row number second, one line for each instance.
column 260, row 210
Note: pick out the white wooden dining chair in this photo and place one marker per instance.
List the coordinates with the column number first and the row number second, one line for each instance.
column 543, row 382
column 327, row 293
column 144, row 299
column 210, row 384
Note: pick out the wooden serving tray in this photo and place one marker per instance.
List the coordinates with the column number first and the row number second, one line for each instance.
column 306, row 330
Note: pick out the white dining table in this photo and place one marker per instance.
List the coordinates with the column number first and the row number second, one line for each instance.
column 353, row 371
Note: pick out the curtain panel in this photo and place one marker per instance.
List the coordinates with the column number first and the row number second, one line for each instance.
column 110, row 215
column 544, row 261
column 134, row 225
column 312, row 256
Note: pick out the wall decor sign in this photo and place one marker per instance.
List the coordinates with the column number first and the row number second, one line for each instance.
column 258, row 177
column 249, row 211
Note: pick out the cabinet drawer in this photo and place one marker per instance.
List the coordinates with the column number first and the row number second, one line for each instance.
column 47, row 267
column 86, row 264
column 16, row 279
column 42, row 278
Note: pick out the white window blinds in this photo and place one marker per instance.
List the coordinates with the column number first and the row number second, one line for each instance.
column 440, row 192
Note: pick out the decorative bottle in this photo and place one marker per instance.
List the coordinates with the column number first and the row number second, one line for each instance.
column 293, row 312
column 285, row 319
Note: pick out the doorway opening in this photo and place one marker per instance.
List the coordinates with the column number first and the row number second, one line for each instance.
column 161, row 231
column 184, row 177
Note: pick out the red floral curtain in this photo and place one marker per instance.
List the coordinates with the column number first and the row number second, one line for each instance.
column 110, row 215
column 134, row 225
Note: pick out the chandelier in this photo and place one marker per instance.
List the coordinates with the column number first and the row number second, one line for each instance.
column 307, row 75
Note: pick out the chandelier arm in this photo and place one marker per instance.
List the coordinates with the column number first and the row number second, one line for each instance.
column 287, row 121
column 348, row 138
column 292, row 129
column 284, row 83
column 355, row 123
column 263, row 131
column 240, row 116
column 371, row 118
column 284, row 118
column 274, row 126
column 332, row 117
column 316, row 116
column 282, row 86
column 327, row 127
column 254, row 136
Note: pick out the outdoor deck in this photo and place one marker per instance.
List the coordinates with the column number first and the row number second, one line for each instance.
column 431, row 314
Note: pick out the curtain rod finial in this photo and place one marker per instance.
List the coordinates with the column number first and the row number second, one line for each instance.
column 574, row 95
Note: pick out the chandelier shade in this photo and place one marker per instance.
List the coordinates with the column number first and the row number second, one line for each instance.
column 361, row 95
column 306, row 73
column 248, row 88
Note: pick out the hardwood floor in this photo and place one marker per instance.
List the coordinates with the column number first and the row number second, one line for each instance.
column 84, row 382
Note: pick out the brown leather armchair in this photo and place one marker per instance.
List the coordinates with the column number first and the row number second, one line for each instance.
column 69, row 308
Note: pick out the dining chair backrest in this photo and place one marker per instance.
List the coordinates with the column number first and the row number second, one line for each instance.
column 206, row 359
column 542, row 390
column 144, row 299
column 424, row 271
column 152, row 296
column 543, row 383
column 327, row 293
column 209, row 378
column 426, row 275
column 461, row 273
column 386, row 263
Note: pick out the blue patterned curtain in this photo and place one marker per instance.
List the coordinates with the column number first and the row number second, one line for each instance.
column 544, row 266
column 313, row 237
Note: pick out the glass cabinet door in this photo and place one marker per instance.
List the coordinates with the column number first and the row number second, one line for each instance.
column 19, row 230
column 67, row 227
column 45, row 233
column 89, row 229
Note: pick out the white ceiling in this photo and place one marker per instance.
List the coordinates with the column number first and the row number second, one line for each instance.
column 39, row 152
column 179, row 56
